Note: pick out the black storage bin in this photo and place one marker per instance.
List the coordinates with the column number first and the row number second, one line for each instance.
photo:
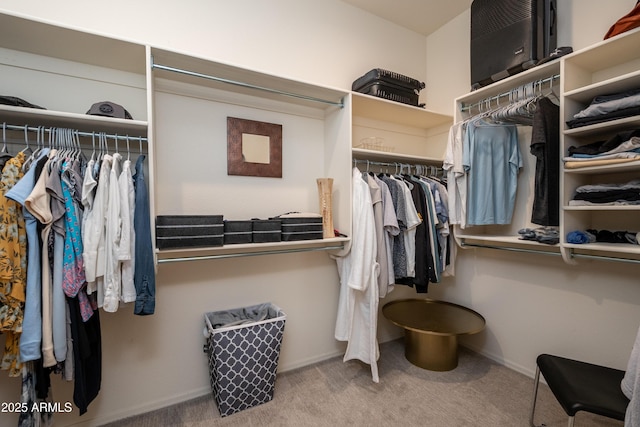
column 301, row 228
column 186, row 231
column 266, row 230
column 237, row 232
column 243, row 348
column 389, row 85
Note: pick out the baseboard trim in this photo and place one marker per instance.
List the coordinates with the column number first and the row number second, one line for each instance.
column 142, row 409
column 309, row 361
column 500, row 360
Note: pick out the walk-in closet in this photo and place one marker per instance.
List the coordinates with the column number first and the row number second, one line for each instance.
column 160, row 90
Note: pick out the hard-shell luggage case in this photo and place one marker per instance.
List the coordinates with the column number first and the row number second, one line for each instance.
column 389, row 85
column 509, row 36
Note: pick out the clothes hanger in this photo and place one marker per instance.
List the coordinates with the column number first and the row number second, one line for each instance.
column 128, row 150
column 26, row 149
column 93, row 147
column 4, row 138
column 27, row 163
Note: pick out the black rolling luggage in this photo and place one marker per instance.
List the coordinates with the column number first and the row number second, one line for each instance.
column 389, row 85
column 509, row 36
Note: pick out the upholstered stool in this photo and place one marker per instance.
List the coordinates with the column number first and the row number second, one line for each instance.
column 581, row 386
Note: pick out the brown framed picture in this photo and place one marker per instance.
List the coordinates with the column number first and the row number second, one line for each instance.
column 254, row 148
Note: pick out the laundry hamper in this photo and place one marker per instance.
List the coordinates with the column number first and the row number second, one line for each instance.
column 243, row 348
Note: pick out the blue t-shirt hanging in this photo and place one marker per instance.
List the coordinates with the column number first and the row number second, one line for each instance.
column 491, row 157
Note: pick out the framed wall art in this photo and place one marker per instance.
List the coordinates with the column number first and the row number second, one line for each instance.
column 254, row 148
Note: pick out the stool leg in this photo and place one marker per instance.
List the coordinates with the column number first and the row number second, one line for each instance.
column 571, row 419
column 536, row 382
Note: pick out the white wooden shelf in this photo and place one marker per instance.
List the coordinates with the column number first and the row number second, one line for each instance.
column 611, row 66
column 82, row 122
column 394, row 112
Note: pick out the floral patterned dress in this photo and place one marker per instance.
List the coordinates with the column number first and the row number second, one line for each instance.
column 13, row 266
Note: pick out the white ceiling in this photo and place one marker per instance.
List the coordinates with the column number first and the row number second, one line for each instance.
column 421, row 16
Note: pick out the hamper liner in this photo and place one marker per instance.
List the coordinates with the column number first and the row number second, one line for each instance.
column 243, row 348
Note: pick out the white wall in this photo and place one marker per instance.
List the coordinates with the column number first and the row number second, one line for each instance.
column 325, row 42
column 591, row 310
column 536, row 304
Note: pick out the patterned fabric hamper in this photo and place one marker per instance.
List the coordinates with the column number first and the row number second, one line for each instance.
column 243, row 348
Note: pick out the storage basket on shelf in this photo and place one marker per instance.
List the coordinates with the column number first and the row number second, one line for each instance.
column 243, row 348
column 300, row 226
column 189, row 231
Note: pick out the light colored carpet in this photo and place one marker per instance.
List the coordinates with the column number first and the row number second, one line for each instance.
column 478, row 393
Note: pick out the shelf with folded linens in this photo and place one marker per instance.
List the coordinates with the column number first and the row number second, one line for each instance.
column 600, row 156
column 607, row 68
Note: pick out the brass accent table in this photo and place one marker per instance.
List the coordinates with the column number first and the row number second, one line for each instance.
column 431, row 330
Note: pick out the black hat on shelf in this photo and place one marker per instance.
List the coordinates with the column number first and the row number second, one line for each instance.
column 109, row 109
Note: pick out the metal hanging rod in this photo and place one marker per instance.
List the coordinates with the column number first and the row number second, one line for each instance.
column 511, row 93
column 247, row 254
column 396, row 164
column 242, row 84
column 540, row 252
column 87, row 134
column 507, row 248
column 605, row 258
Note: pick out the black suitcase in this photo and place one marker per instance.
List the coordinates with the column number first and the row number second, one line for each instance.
column 389, row 85
column 509, row 36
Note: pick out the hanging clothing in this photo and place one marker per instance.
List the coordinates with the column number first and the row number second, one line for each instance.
column 419, row 276
column 399, row 251
column 74, row 280
column 381, row 253
column 491, row 157
column 413, row 220
column 630, row 385
column 357, row 315
column 113, row 228
column 55, row 240
column 87, row 355
column 13, row 266
column 126, row 249
column 90, row 230
column 31, row 338
column 456, row 175
column 545, row 145
column 144, row 273
column 390, row 230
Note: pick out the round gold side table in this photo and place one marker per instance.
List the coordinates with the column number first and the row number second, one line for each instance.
column 431, row 330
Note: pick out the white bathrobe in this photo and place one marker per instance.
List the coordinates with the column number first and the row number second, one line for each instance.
column 631, row 386
column 357, row 319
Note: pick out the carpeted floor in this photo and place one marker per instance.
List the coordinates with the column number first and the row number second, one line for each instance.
column 478, row 393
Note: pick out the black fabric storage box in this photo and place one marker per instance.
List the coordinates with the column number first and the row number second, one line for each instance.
column 389, row 85
column 266, row 230
column 187, row 231
column 243, row 348
column 301, row 228
column 237, row 232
